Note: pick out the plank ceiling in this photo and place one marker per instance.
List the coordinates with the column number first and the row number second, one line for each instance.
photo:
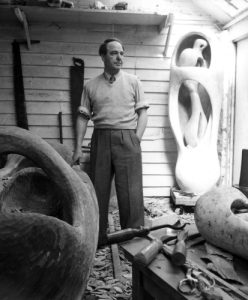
column 223, row 10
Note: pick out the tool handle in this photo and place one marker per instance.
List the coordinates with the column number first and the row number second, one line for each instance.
column 78, row 62
column 148, row 253
column 126, row 235
column 178, row 256
column 129, row 233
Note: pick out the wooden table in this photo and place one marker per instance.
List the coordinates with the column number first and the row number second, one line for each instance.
column 159, row 280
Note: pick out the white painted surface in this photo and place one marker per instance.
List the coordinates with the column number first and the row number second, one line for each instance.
column 241, row 108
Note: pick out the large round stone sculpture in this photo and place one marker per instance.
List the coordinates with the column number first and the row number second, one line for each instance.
column 45, row 253
column 195, row 97
column 222, row 219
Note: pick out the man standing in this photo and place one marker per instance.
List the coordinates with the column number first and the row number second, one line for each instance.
column 115, row 102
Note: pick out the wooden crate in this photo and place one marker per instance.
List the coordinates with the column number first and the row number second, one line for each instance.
column 180, row 198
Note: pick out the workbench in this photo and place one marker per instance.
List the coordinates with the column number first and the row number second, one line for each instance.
column 159, row 280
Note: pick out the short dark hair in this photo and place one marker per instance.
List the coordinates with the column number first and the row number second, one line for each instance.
column 103, row 46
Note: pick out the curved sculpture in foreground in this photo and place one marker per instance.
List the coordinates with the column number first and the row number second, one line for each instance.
column 195, row 97
column 219, row 219
column 43, row 257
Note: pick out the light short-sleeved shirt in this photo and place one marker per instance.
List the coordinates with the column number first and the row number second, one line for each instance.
column 113, row 105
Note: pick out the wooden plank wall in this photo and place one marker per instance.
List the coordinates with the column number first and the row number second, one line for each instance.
column 46, row 80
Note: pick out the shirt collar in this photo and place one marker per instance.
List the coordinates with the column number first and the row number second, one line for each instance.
column 107, row 75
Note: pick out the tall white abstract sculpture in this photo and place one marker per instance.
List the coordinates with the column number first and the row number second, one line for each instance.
column 195, row 98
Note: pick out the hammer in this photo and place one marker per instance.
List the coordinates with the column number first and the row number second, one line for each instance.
column 177, row 255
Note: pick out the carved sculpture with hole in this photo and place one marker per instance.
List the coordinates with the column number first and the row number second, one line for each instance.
column 48, row 223
column 195, row 98
column 222, row 219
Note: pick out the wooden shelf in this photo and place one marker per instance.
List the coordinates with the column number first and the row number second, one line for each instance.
column 80, row 16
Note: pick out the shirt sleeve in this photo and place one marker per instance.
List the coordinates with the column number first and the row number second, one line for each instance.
column 84, row 108
column 140, row 97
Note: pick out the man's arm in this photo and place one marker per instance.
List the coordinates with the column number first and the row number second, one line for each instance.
column 81, row 126
column 142, row 122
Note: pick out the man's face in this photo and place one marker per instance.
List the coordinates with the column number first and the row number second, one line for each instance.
column 113, row 59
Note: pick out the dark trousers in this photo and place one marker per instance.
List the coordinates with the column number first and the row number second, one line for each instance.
column 117, row 152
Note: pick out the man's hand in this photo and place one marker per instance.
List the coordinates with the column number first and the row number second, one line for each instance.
column 138, row 137
column 76, row 156
column 81, row 126
column 142, row 122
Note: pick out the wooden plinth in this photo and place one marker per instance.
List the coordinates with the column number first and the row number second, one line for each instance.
column 183, row 199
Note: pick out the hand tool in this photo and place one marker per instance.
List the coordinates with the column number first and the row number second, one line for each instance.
column 20, row 105
column 60, row 118
column 201, row 284
column 206, row 285
column 21, row 16
column 129, row 233
column 195, row 281
column 178, row 255
column 148, row 253
column 76, row 88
